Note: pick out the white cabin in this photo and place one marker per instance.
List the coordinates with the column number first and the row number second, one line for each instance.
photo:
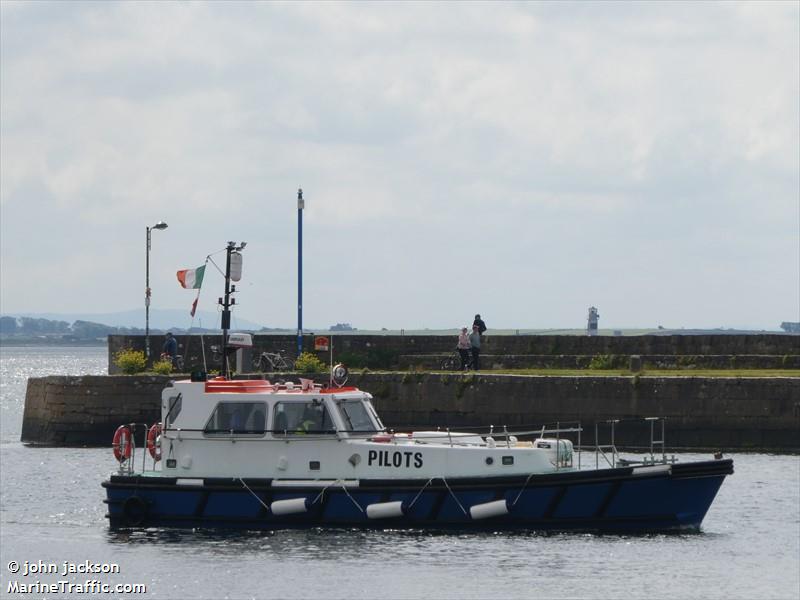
column 256, row 429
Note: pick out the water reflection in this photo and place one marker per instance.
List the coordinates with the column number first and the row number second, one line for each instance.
column 349, row 544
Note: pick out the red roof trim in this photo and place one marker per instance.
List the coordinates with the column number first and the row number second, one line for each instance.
column 220, row 385
column 238, row 386
column 338, row 390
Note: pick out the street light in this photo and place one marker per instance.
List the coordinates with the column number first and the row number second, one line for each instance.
column 159, row 225
column 301, row 204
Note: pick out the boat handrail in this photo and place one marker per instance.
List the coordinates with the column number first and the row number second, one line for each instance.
column 607, row 452
column 371, row 432
column 127, row 466
column 602, row 449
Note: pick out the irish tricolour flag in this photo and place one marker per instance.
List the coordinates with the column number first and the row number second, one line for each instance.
column 192, row 278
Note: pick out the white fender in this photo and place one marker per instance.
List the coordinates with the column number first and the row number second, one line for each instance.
column 289, row 507
column 386, row 510
column 486, row 510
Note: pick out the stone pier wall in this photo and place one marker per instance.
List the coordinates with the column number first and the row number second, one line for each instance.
column 385, row 351
column 86, row 410
column 727, row 413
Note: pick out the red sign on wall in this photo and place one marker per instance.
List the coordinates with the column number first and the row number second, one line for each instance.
column 321, row 343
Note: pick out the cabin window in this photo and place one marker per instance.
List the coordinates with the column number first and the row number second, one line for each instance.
column 301, row 418
column 174, row 405
column 356, row 416
column 238, row 418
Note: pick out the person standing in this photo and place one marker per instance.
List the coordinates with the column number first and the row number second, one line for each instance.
column 171, row 347
column 480, row 324
column 464, row 348
column 475, row 346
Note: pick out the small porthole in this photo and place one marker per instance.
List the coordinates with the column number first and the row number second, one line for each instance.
column 313, row 465
column 508, row 460
column 489, row 460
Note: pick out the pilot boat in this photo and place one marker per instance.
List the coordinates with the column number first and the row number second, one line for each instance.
column 253, row 454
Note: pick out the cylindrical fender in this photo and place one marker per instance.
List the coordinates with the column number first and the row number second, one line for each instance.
column 487, row 510
column 386, row 510
column 290, row 506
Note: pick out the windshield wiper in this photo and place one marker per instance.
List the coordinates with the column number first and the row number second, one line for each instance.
column 347, row 416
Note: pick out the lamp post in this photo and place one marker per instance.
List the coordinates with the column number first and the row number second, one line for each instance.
column 159, row 225
column 301, row 204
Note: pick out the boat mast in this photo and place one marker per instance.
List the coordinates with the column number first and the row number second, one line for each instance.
column 227, row 301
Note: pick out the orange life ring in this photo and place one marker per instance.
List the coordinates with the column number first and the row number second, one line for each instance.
column 153, row 442
column 122, row 443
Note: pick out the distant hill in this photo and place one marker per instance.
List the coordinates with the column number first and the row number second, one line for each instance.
column 180, row 320
column 159, row 319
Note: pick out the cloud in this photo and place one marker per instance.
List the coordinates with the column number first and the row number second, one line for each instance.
column 569, row 148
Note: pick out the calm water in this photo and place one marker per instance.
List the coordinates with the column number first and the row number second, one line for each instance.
column 51, row 510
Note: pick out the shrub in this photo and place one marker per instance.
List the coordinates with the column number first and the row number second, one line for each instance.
column 308, row 363
column 163, row 367
column 130, row 361
column 465, row 381
column 602, row 361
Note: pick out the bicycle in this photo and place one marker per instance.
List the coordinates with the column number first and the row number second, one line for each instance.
column 453, row 362
column 177, row 361
column 273, row 362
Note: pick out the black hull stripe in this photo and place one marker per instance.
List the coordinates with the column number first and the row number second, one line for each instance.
column 388, row 486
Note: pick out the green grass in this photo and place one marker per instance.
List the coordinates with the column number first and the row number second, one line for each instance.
column 651, row 372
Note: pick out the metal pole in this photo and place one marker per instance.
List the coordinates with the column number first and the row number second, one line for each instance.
column 159, row 225
column 300, row 206
column 147, row 300
column 613, row 448
column 226, row 312
column 330, row 371
column 596, row 448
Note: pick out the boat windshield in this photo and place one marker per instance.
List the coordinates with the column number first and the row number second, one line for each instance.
column 300, row 418
column 358, row 416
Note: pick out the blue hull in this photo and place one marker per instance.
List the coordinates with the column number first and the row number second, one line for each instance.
column 609, row 500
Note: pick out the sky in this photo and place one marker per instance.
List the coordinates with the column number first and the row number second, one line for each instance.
column 520, row 160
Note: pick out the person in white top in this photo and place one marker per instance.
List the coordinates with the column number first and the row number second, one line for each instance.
column 464, row 348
